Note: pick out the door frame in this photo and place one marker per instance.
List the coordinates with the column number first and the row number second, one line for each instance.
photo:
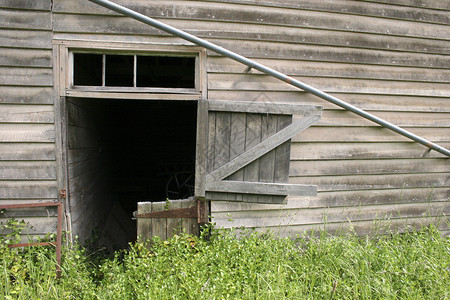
column 62, row 90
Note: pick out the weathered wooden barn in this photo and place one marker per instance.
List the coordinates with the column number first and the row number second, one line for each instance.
column 103, row 112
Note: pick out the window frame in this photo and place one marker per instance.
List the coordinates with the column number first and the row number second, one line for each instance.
column 68, row 89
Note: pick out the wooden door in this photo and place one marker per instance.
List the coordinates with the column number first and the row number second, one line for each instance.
column 247, row 150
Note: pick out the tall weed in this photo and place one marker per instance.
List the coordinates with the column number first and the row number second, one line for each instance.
column 320, row 266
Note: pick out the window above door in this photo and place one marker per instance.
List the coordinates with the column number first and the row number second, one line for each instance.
column 132, row 71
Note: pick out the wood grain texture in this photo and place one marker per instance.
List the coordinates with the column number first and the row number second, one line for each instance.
column 363, row 167
column 343, row 199
column 27, row 114
column 368, row 134
column 361, row 150
column 37, row 226
column 27, row 152
column 219, row 64
column 26, row 76
column 373, row 102
column 27, row 4
column 276, row 16
column 28, row 39
column 25, row 19
column 30, row 170
column 389, row 57
column 144, row 225
column 40, row 133
column 333, row 215
column 378, row 182
column 25, row 57
column 366, row 9
column 28, row 190
column 328, row 85
column 26, row 95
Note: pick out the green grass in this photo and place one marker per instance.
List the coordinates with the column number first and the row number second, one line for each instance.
column 414, row 265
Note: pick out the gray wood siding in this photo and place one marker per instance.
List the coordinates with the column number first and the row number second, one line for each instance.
column 27, row 117
column 388, row 57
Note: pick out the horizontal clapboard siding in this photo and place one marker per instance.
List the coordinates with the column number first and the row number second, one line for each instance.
column 27, row 117
column 388, row 57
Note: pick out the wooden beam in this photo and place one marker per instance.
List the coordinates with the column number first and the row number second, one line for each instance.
column 266, row 108
column 262, row 188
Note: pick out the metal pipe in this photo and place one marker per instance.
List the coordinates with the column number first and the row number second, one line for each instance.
column 252, row 64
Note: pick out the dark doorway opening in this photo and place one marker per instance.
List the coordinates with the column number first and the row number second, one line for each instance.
column 122, row 152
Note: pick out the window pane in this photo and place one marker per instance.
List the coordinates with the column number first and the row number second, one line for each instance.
column 166, row 71
column 87, row 69
column 119, row 70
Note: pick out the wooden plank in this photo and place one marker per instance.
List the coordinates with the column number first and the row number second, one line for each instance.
column 29, row 170
column 237, row 146
column 26, row 76
column 27, row 114
column 30, row 212
column 38, row 226
column 82, row 138
column 282, row 153
column 22, row 94
column 174, row 225
column 201, row 148
column 261, row 188
column 325, row 53
column 144, row 225
column 363, row 167
column 22, row 19
column 434, row 4
column 159, row 225
column 300, row 36
column 84, row 167
column 328, row 85
column 368, row 134
column 363, row 228
column 220, row 64
column 189, row 224
column 344, row 7
column 370, row 182
column 27, row 4
column 141, row 95
column 382, row 150
column 30, row 39
column 83, row 154
column 403, row 119
column 28, row 190
column 38, row 133
column 25, row 57
column 222, row 139
column 325, row 37
column 211, row 142
column 23, row 151
column 251, row 168
column 264, row 108
column 267, row 161
column 367, row 9
column 89, row 191
column 342, row 199
column 256, row 149
column 364, row 101
column 255, row 15
column 316, row 216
